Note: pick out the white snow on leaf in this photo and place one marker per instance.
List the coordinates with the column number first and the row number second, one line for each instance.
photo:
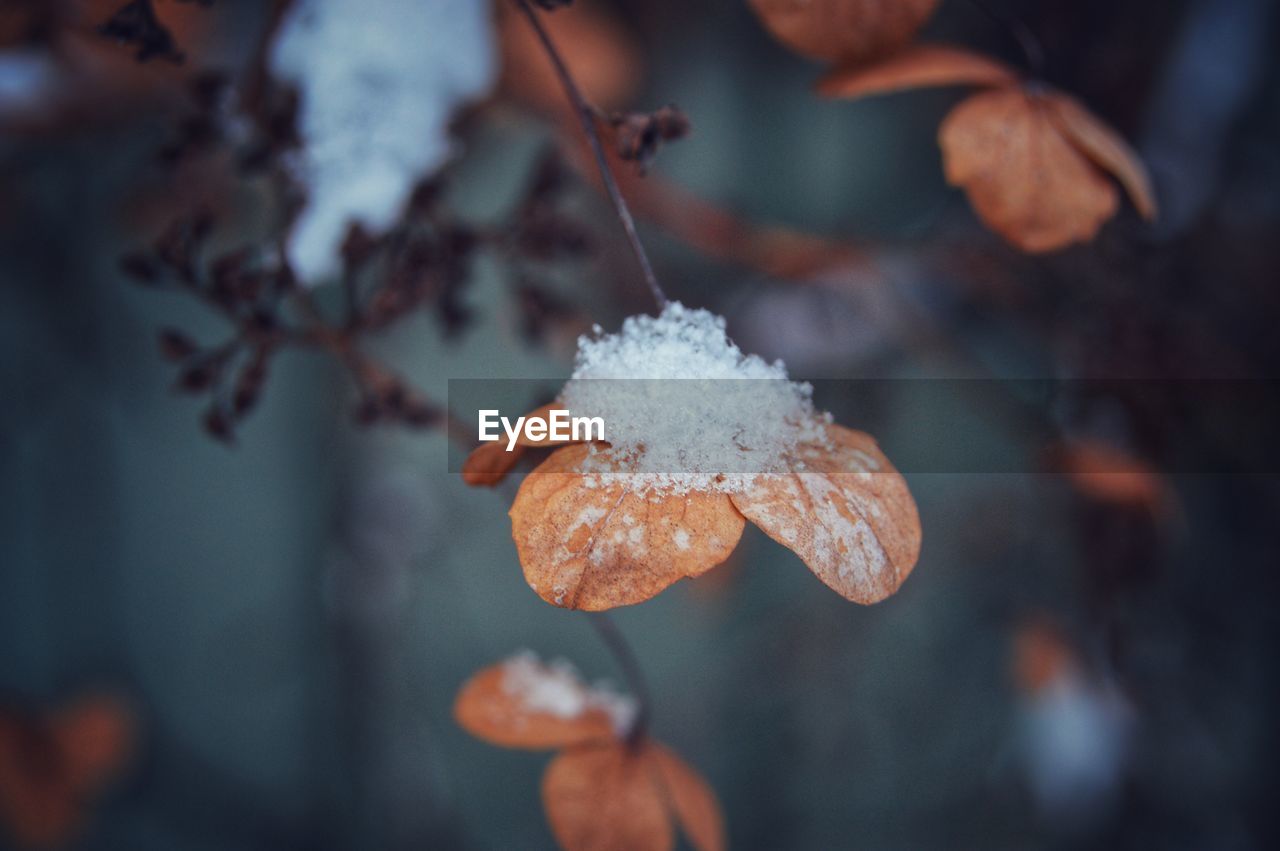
column 379, row 81
column 683, row 408
column 557, row 689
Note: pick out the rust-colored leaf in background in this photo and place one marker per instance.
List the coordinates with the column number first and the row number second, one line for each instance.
column 1024, row 179
column 915, row 67
column 53, row 766
column 598, row 51
column 595, row 544
column 843, row 30
column 489, row 463
column 1107, row 149
column 1107, row 474
column 1028, row 177
column 845, row 511
column 1041, row 655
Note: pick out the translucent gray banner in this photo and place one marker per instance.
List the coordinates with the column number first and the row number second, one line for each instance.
column 1207, row 426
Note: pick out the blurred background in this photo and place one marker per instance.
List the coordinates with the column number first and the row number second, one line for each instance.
column 258, row 642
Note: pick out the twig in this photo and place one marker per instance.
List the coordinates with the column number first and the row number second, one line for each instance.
column 626, row 658
column 1021, row 33
column 587, row 116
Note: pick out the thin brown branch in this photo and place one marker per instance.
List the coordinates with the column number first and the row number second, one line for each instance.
column 1030, row 46
column 626, row 658
column 587, row 116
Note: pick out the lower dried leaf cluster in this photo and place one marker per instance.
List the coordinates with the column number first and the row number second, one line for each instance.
column 608, row 788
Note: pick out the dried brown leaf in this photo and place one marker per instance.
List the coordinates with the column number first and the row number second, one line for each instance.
column 625, row 796
column 594, row 544
column 843, row 30
column 52, row 767
column 1107, row 150
column 1026, row 181
column 98, row 734
column 598, row 50
column 690, row 797
column 489, row 463
column 605, row 799
column 543, row 413
column 490, row 710
column 845, row 511
column 918, row 66
column 1041, row 655
column 1107, row 474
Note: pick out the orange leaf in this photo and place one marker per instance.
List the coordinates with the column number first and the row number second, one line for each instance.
column 52, row 767
column 509, row 705
column 625, row 796
column 599, row 52
column 1040, row 656
column 845, row 511
column 605, row 799
column 595, row 543
column 542, row 413
column 1107, row 474
column 1026, row 181
column 691, row 799
column 97, row 734
column 489, row 463
column 918, row 66
column 843, row 30
column 1105, row 147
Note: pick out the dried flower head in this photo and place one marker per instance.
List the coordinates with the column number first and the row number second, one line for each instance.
column 687, row 463
column 606, row 788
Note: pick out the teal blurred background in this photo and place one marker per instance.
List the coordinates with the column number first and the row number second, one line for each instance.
column 291, row 617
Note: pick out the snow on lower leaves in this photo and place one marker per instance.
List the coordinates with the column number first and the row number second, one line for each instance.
column 525, row 703
column 694, row 451
column 379, row 82
column 611, row 786
column 558, row 689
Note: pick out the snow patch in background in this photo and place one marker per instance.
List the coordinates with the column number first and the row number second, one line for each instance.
column 1076, row 743
column 28, row 80
column 379, row 82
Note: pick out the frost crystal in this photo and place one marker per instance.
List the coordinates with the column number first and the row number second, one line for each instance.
column 684, row 408
column 379, row 82
column 557, row 689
